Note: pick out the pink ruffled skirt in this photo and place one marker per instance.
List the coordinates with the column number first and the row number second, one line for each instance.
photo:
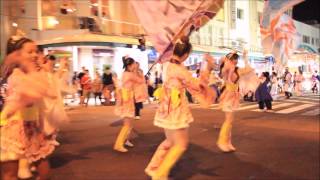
column 229, row 100
column 23, row 139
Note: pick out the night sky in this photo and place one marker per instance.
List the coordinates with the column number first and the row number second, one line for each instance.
column 307, row 10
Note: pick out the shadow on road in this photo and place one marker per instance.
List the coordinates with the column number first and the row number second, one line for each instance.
column 62, row 159
column 201, row 163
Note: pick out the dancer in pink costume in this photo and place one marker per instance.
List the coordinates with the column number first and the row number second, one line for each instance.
column 238, row 81
column 22, row 135
column 173, row 114
column 299, row 81
column 125, row 101
column 140, row 92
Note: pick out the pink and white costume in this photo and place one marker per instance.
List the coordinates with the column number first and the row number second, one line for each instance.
column 299, row 80
column 141, row 89
column 274, row 87
column 22, row 135
column 125, row 94
column 173, row 111
column 237, row 83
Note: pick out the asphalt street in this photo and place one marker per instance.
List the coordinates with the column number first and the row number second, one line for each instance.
column 283, row 144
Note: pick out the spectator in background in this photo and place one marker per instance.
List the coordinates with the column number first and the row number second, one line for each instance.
column 274, row 85
column 80, row 75
column 315, row 78
column 85, row 82
column 75, row 85
column 150, row 87
column 63, row 75
column 97, row 88
column 197, row 73
column 215, row 83
column 298, row 87
column 108, row 85
column 287, row 78
column 294, row 79
column 158, row 80
column 263, row 93
column 140, row 91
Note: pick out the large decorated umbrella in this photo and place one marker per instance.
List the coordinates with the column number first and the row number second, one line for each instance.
column 165, row 21
column 279, row 35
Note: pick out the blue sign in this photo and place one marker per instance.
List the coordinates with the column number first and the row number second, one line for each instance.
column 270, row 59
column 152, row 56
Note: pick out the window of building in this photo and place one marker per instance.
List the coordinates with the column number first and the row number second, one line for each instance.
column 240, row 13
column 317, row 42
column 306, row 39
column 312, row 41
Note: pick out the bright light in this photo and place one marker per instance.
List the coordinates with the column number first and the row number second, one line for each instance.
column 52, row 21
column 14, row 24
column 95, row 4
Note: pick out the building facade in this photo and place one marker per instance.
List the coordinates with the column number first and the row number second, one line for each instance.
column 94, row 33
column 306, row 58
column 236, row 26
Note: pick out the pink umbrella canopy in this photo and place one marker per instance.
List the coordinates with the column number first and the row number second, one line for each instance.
column 166, row 21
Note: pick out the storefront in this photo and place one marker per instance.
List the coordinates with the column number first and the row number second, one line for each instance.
column 96, row 58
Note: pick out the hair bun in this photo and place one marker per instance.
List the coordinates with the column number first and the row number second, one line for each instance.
column 127, row 61
column 232, row 56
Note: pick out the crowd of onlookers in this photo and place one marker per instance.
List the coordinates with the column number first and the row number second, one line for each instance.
column 101, row 87
column 271, row 87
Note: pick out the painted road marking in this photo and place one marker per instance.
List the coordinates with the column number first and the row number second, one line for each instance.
column 277, row 106
column 293, row 109
column 314, row 112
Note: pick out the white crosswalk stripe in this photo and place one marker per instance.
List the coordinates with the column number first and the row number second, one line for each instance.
column 248, row 107
column 309, row 99
column 307, row 105
column 278, row 106
column 294, row 109
column 314, row 112
column 299, row 101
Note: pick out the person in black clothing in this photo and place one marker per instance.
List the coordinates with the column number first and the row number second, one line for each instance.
column 150, row 87
column 158, row 80
column 108, row 85
column 263, row 93
column 80, row 75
